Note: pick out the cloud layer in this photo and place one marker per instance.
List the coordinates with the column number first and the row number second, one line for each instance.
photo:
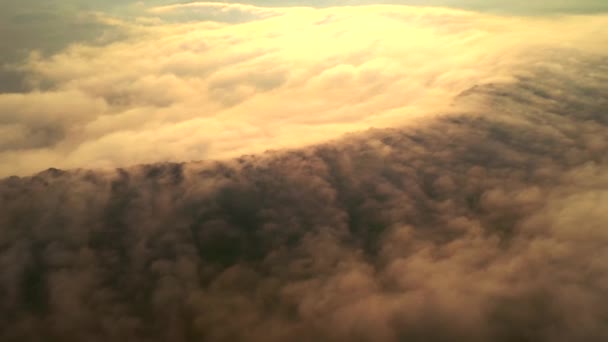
column 248, row 79
column 484, row 225
column 474, row 211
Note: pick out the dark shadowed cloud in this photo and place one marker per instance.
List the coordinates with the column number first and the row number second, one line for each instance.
column 487, row 224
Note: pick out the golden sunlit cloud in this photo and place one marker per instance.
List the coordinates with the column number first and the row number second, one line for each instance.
column 286, row 77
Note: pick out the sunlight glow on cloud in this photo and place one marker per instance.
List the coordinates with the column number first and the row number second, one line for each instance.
column 291, row 77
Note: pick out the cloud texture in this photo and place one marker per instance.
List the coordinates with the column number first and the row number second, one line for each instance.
column 488, row 224
column 475, row 211
column 246, row 79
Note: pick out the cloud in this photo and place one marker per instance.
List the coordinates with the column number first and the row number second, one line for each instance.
column 213, row 11
column 46, row 27
column 483, row 225
column 540, row 7
column 197, row 90
column 474, row 211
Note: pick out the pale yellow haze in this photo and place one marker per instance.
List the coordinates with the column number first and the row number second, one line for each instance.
column 176, row 91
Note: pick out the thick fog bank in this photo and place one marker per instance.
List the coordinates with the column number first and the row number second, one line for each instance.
column 488, row 225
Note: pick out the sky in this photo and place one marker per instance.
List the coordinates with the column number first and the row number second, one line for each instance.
column 418, row 171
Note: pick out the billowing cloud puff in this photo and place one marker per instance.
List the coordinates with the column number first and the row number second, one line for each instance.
column 484, row 225
column 286, row 77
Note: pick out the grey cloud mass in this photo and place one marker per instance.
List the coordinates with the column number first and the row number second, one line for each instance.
column 487, row 224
